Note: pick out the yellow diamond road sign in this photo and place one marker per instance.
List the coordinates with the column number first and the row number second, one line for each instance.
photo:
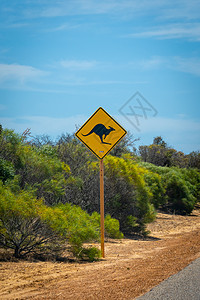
column 100, row 133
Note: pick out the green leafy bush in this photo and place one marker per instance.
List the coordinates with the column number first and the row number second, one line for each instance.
column 111, row 225
column 193, row 177
column 6, row 170
column 179, row 189
column 112, row 228
column 178, row 194
column 90, row 254
column 74, row 224
column 127, row 195
column 27, row 225
column 154, row 182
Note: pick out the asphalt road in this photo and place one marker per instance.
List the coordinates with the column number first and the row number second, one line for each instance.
column 184, row 285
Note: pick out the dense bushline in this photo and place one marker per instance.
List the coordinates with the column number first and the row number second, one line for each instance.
column 174, row 189
column 36, row 214
column 49, row 191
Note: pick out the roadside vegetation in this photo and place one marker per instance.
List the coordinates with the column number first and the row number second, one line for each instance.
column 49, row 192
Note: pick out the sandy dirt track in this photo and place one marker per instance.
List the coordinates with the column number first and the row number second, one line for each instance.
column 131, row 267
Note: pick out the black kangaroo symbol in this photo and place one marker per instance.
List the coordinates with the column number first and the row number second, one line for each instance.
column 101, row 130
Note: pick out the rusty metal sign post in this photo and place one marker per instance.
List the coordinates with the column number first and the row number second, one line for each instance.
column 101, row 133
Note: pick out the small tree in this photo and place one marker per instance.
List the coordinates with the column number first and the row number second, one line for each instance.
column 194, row 159
column 21, row 227
column 27, row 235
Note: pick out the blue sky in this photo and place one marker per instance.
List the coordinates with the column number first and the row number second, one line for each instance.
column 61, row 60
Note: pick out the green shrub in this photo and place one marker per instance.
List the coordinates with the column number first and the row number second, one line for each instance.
column 131, row 222
column 27, row 225
column 90, row 254
column 179, row 188
column 6, row 170
column 193, row 177
column 127, row 196
column 112, row 228
column 73, row 224
column 154, row 182
column 178, row 195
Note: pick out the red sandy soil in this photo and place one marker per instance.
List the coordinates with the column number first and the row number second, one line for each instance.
column 131, row 266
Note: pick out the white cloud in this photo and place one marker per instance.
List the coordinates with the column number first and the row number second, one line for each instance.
column 152, row 63
column 183, row 9
column 19, row 73
column 82, row 7
column 62, row 27
column 182, row 134
column 44, row 125
column 160, row 9
column 78, row 64
column 17, row 25
column 170, row 124
column 188, row 65
column 160, row 124
column 55, row 126
column 189, row 31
